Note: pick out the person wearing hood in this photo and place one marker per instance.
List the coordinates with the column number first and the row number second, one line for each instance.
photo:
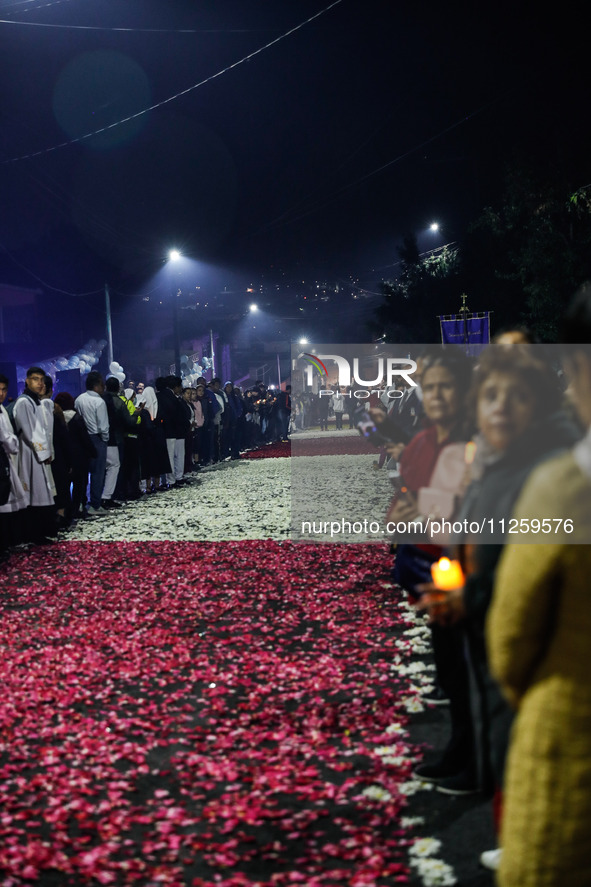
column 154, row 461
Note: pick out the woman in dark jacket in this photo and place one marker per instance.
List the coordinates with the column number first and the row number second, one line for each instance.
column 516, row 398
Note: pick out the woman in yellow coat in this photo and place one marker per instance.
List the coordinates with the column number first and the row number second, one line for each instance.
column 539, row 638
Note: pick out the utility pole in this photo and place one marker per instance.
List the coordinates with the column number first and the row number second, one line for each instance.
column 109, row 325
column 212, row 354
column 177, row 344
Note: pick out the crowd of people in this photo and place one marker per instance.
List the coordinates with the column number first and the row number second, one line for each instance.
column 64, row 459
column 509, row 640
column 311, row 410
column 500, row 438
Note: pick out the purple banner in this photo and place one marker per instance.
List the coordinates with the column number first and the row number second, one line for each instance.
column 472, row 330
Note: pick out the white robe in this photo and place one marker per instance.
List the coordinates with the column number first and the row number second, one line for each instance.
column 9, row 440
column 35, row 447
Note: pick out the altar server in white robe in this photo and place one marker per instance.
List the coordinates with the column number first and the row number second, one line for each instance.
column 35, row 455
column 11, row 510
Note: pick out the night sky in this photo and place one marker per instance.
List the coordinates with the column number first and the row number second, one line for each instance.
column 315, row 157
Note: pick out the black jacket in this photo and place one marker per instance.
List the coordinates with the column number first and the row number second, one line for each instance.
column 171, row 415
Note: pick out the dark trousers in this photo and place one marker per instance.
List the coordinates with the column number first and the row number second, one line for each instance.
column 98, row 466
column 228, row 440
column 79, row 483
column 454, row 679
column 128, row 481
column 283, row 418
column 189, row 452
column 216, row 441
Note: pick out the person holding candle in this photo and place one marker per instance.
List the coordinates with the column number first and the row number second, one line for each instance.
column 538, row 640
column 446, row 375
column 516, row 398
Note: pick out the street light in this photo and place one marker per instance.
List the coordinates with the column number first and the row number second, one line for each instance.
column 254, row 307
column 302, row 342
column 174, row 255
column 434, row 226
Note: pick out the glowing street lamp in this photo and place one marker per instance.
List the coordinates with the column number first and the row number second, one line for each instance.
column 254, row 307
column 434, row 226
column 303, row 342
column 174, row 255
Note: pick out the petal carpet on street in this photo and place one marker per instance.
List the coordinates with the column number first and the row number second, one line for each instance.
column 170, row 713
column 228, row 712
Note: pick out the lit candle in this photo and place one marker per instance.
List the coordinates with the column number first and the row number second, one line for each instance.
column 447, row 574
column 469, row 452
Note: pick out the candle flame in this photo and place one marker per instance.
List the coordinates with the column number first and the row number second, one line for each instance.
column 469, row 452
column 444, row 563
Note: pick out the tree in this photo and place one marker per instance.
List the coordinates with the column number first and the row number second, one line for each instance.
column 427, row 285
column 534, row 248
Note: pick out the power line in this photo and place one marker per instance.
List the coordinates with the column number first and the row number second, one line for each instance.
column 137, row 295
column 39, row 280
column 35, row 8
column 283, row 219
column 134, row 30
column 177, row 95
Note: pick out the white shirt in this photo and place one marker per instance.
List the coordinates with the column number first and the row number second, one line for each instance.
column 93, row 410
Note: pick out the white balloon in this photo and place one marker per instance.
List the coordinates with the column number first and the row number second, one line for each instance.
column 120, row 376
column 113, row 366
